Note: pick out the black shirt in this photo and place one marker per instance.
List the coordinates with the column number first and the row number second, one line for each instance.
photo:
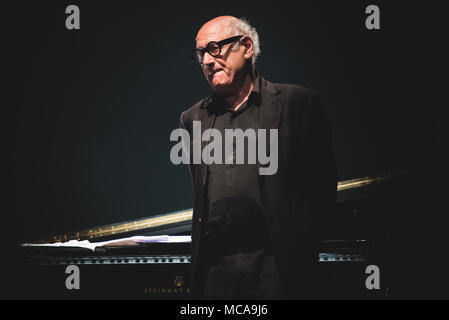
column 234, row 180
column 235, row 212
column 241, row 261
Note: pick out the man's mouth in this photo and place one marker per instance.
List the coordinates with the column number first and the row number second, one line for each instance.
column 212, row 73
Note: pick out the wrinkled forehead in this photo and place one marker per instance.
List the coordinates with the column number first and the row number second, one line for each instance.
column 213, row 32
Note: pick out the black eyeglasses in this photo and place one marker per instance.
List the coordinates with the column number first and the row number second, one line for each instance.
column 213, row 48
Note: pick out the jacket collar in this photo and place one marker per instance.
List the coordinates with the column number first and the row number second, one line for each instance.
column 260, row 85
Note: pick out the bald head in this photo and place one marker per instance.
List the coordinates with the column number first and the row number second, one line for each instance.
column 223, row 25
column 223, row 71
column 231, row 26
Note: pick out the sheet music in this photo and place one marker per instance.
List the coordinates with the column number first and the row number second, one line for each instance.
column 131, row 241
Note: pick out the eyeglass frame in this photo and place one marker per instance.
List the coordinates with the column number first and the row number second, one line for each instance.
column 219, row 44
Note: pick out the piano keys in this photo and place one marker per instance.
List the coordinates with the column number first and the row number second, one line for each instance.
column 161, row 270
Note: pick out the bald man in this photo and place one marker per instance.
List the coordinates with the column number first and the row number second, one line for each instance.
column 255, row 235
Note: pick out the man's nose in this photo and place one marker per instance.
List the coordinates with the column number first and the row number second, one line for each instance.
column 207, row 58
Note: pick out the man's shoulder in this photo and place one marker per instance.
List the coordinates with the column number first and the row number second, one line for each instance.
column 298, row 97
column 292, row 91
column 295, row 93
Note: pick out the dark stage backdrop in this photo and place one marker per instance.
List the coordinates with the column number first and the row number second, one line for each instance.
column 92, row 109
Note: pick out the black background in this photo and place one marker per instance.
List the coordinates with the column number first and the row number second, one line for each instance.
column 88, row 112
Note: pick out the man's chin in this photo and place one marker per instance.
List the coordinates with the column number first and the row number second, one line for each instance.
column 220, row 87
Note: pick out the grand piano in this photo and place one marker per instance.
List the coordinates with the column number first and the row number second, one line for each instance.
column 360, row 236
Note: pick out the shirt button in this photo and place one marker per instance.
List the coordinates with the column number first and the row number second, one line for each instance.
column 199, row 220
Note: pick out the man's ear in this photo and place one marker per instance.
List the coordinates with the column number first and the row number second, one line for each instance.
column 248, row 44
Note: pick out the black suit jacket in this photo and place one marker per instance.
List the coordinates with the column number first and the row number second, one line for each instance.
column 296, row 199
